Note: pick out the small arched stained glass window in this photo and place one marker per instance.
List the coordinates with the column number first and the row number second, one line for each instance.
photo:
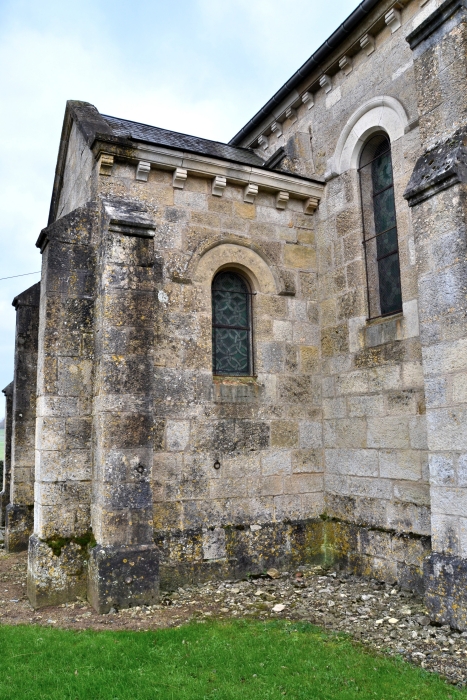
column 231, row 325
column 380, row 228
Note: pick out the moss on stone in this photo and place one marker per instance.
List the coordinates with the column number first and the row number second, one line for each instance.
column 85, row 541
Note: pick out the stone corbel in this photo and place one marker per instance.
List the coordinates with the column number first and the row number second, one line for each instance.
column 142, row 170
column 310, row 205
column 218, row 185
column 291, row 113
column 393, row 19
column 367, row 42
column 325, row 82
column 281, row 199
column 345, row 64
column 250, row 192
column 263, row 141
column 179, row 178
column 308, row 100
column 276, row 128
column 106, row 164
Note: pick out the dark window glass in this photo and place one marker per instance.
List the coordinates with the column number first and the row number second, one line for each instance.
column 231, row 325
column 380, row 228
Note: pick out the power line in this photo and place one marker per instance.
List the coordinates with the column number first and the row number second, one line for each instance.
column 24, row 275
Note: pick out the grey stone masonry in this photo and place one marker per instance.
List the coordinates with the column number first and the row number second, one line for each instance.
column 437, row 194
column 5, row 492
column 64, row 403
column 123, row 565
column 342, row 437
column 19, row 511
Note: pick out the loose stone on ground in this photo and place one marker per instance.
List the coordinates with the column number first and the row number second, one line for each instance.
column 374, row 613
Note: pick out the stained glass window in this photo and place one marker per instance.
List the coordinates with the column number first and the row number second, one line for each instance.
column 380, row 228
column 231, row 325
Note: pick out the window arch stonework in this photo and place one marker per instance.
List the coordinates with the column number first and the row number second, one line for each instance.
column 381, row 113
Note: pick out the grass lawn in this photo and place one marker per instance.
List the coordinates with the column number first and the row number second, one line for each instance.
column 228, row 660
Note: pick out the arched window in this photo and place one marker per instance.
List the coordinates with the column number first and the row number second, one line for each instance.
column 380, row 228
column 231, row 325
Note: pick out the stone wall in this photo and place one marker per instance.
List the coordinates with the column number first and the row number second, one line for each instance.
column 324, row 453
column 437, row 194
column 373, row 402
column 19, row 511
column 64, row 407
column 5, row 492
column 265, row 431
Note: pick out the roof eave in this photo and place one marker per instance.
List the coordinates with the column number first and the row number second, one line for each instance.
column 313, row 62
column 122, row 144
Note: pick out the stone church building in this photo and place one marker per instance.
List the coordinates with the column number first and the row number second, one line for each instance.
column 254, row 354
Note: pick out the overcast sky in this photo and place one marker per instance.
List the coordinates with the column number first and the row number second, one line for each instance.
column 202, row 67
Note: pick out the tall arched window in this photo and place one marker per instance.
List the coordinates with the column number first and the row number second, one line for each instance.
column 231, row 325
column 380, row 228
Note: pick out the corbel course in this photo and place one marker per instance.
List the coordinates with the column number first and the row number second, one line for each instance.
column 218, row 185
column 326, row 82
column 308, row 100
column 393, row 19
column 221, row 173
column 367, row 43
column 276, row 128
column 282, row 199
column 106, row 164
column 142, row 170
column 179, row 178
column 345, row 64
column 250, row 192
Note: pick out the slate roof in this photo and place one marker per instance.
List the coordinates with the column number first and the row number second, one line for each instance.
column 172, row 139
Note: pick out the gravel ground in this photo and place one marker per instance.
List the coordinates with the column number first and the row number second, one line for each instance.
column 379, row 615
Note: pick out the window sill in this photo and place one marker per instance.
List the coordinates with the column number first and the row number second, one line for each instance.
column 382, row 319
column 385, row 329
column 228, row 379
column 235, row 390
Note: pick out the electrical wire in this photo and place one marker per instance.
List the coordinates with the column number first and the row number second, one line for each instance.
column 24, row 275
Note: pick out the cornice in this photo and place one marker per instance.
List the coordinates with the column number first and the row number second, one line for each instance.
column 435, row 20
column 441, row 167
column 30, row 297
column 221, row 172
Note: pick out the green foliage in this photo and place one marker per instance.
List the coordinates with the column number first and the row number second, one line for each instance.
column 230, row 661
column 84, row 541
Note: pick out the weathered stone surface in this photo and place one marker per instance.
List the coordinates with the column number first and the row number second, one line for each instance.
column 19, row 521
column 21, row 423
column 123, row 576
column 445, row 579
column 56, row 577
column 5, row 493
column 345, row 444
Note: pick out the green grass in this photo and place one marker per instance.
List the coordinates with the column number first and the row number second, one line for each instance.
column 232, row 660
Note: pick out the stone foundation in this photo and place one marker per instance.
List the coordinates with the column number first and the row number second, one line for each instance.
column 445, row 580
column 123, row 576
column 126, row 576
column 55, row 578
column 202, row 554
column 198, row 555
column 382, row 554
column 19, row 524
